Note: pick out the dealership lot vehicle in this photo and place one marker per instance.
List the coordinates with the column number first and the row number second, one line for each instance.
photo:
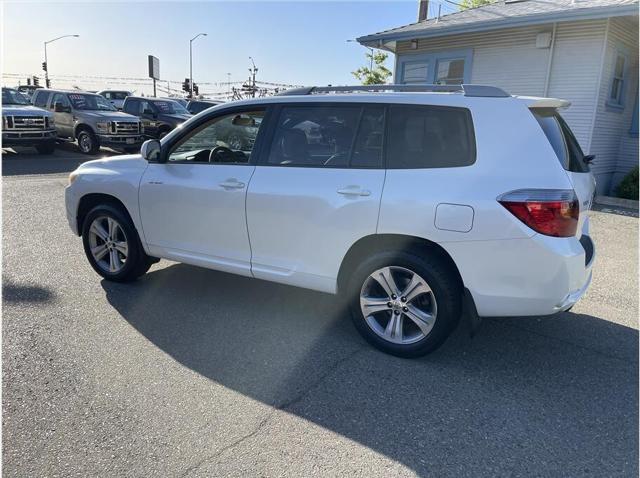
column 158, row 116
column 26, row 125
column 115, row 97
column 27, row 90
column 197, row 106
column 90, row 120
column 407, row 202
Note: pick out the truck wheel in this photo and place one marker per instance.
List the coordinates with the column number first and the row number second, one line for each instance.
column 403, row 303
column 112, row 244
column 87, row 142
column 46, row 148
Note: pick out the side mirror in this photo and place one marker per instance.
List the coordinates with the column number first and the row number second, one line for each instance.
column 59, row 108
column 588, row 159
column 150, row 150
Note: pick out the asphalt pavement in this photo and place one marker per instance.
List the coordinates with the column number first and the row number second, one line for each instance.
column 191, row 372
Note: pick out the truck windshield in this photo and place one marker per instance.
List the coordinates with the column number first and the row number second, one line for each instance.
column 13, row 97
column 81, row 101
column 170, row 108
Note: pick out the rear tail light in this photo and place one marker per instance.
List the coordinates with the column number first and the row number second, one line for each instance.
column 552, row 212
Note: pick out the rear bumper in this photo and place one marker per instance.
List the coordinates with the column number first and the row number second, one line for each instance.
column 540, row 275
column 27, row 138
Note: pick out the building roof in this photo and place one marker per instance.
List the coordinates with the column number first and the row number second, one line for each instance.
column 504, row 14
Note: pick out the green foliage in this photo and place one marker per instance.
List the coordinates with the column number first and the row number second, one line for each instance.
column 465, row 4
column 628, row 187
column 376, row 73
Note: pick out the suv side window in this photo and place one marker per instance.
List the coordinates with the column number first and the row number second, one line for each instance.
column 324, row 135
column 131, row 107
column 41, row 98
column 227, row 139
column 430, row 137
column 144, row 108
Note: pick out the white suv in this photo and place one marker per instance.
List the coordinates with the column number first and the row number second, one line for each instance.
column 417, row 203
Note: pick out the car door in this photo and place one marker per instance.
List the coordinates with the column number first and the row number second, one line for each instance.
column 315, row 191
column 192, row 205
column 149, row 117
column 64, row 118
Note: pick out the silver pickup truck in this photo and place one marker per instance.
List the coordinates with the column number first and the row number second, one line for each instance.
column 90, row 120
column 26, row 125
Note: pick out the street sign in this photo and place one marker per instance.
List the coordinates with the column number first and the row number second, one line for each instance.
column 154, row 67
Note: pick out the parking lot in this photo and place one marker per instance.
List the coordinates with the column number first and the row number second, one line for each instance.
column 191, row 372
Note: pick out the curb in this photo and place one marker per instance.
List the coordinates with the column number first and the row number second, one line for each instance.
column 611, row 201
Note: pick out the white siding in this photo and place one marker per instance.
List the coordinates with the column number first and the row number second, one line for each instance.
column 616, row 151
column 575, row 70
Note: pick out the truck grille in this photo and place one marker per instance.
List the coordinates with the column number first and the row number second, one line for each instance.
column 125, row 127
column 27, row 122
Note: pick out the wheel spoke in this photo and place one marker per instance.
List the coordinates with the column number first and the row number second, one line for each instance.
column 99, row 231
column 416, row 287
column 114, row 261
column 386, row 280
column 422, row 319
column 99, row 251
column 122, row 247
column 112, row 225
column 372, row 305
column 393, row 331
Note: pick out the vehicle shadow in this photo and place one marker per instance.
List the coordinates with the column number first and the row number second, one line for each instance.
column 26, row 161
column 553, row 396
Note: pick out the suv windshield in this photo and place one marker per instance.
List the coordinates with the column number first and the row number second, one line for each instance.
column 169, row 107
column 13, row 97
column 82, row 101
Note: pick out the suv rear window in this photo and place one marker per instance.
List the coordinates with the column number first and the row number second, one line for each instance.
column 562, row 140
column 430, row 137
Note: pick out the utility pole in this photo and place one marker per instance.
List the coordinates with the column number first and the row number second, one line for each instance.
column 253, row 72
column 191, row 63
column 45, row 65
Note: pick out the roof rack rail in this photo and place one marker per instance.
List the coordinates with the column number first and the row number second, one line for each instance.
column 468, row 90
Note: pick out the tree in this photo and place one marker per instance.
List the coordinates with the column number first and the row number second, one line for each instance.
column 376, row 73
column 465, row 4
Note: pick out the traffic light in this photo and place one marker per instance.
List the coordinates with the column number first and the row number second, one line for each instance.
column 185, row 85
column 28, row 81
column 195, row 89
column 48, row 82
column 44, row 66
column 36, row 81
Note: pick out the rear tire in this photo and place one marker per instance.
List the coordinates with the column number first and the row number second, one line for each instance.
column 87, row 142
column 112, row 245
column 416, row 323
column 46, row 148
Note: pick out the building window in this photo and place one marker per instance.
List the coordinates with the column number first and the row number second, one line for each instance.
column 634, row 118
column 616, row 95
column 451, row 67
column 450, row 72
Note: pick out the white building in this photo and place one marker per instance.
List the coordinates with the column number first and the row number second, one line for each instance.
column 585, row 51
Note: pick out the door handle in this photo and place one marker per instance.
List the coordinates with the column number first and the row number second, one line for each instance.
column 232, row 183
column 354, row 191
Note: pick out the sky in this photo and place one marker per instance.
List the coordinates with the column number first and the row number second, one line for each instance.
column 301, row 42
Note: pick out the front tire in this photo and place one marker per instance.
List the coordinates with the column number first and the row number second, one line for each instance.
column 87, row 142
column 112, row 245
column 403, row 303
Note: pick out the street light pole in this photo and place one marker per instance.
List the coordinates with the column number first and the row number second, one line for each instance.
column 191, row 63
column 46, row 63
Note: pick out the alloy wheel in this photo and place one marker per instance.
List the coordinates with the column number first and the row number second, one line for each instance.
column 108, row 244
column 398, row 305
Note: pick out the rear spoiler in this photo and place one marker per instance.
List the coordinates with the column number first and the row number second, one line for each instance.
column 536, row 102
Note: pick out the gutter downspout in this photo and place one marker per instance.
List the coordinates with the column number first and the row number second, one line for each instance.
column 603, row 53
column 550, row 62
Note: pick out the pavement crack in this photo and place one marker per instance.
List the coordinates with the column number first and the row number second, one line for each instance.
column 281, row 407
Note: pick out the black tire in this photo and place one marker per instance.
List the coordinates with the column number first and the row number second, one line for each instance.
column 137, row 262
column 163, row 132
column 46, row 148
column 87, row 142
column 444, row 284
